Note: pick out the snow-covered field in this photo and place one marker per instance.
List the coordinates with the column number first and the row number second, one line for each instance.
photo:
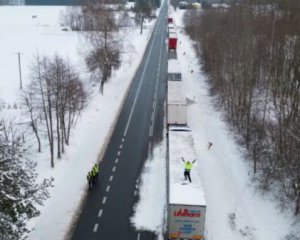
column 29, row 30
column 236, row 210
column 223, row 169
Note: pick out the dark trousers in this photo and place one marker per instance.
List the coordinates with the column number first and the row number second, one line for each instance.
column 90, row 182
column 187, row 175
column 94, row 178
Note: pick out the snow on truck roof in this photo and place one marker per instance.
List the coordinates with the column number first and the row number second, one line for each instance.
column 176, row 93
column 181, row 191
column 172, row 35
column 174, row 66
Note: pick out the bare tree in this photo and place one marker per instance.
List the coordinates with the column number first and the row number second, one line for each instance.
column 58, row 94
column 142, row 11
column 41, row 82
column 101, row 27
column 73, row 18
column 28, row 101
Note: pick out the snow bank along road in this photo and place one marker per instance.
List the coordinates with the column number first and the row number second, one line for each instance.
column 109, row 204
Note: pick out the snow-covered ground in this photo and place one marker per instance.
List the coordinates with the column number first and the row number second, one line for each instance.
column 149, row 211
column 222, row 169
column 235, row 208
column 29, row 30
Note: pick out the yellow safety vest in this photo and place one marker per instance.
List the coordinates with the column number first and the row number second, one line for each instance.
column 188, row 166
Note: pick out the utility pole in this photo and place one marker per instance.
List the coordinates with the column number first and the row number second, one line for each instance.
column 20, row 72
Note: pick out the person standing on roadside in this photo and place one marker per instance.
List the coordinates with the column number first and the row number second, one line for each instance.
column 90, row 179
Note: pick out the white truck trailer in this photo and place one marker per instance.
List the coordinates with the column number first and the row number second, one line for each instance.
column 176, row 104
column 186, row 201
column 174, row 70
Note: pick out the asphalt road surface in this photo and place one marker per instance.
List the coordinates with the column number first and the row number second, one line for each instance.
column 109, row 204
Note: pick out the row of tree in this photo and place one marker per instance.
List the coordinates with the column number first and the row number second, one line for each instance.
column 54, row 99
column 250, row 53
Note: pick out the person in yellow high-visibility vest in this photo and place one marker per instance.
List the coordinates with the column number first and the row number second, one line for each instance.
column 95, row 171
column 187, row 169
column 90, row 179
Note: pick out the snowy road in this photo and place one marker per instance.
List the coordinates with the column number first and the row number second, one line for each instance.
column 109, row 205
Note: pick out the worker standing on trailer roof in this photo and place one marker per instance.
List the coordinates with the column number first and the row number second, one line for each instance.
column 187, row 169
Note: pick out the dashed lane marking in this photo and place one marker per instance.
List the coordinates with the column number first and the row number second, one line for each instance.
column 119, row 152
column 152, row 117
column 111, row 178
column 107, row 188
column 95, row 227
column 114, row 169
column 104, row 200
column 151, row 131
column 117, row 160
column 138, row 236
column 156, row 91
column 100, row 213
column 140, row 84
column 121, row 146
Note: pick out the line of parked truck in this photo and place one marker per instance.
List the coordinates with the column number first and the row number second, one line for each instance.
column 186, row 201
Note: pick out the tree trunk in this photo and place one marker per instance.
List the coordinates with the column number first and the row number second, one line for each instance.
column 297, row 208
column 35, row 130
column 51, row 138
column 142, row 24
column 58, row 131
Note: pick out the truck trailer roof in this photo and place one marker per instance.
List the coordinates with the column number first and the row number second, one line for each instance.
column 172, row 35
column 181, row 191
column 174, row 66
column 176, row 93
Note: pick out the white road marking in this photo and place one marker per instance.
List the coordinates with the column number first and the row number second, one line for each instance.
column 152, row 117
column 107, row 188
column 123, row 139
column 151, row 131
column 95, row 227
column 135, row 192
column 104, row 200
column 138, row 236
column 100, row 213
column 156, row 90
column 117, row 160
column 111, row 178
column 119, row 152
column 140, row 84
column 121, row 146
column 114, row 169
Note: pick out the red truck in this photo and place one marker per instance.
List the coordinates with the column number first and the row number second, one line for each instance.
column 172, row 41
